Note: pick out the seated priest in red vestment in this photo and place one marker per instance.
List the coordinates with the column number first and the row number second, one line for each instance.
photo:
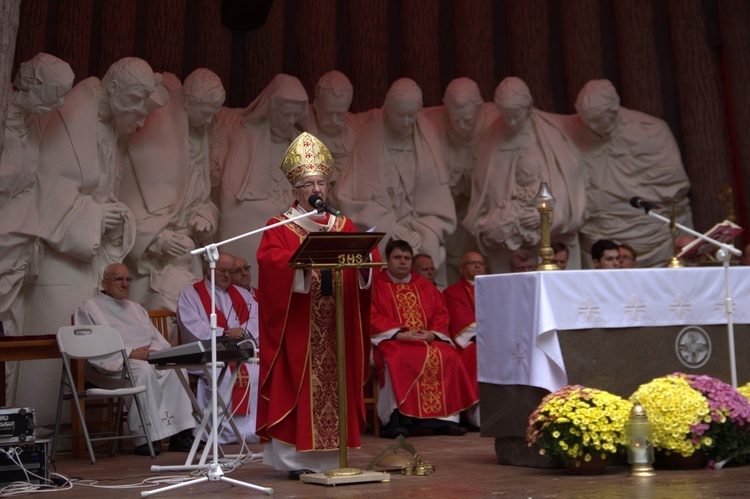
column 298, row 414
column 423, row 381
column 459, row 298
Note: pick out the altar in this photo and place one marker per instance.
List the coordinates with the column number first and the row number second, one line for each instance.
column 606, row 329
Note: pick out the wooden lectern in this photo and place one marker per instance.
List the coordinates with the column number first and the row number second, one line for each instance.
column 338, row 251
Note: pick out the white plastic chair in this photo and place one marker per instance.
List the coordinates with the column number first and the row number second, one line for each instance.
column 91, row 343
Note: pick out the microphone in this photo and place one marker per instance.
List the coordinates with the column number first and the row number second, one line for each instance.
column 637, row 202
column 318, row 203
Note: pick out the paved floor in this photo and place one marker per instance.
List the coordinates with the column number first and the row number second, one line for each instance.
column 465, row 467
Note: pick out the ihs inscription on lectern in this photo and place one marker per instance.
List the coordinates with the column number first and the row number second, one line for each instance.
column 350, row 259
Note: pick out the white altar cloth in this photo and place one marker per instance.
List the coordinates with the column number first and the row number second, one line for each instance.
column 518, row 315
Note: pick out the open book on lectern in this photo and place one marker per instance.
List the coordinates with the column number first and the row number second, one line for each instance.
column 724, row 232
column 335, row 248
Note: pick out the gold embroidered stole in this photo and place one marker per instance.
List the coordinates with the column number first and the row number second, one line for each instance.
column 409, row 306
column 412, row 314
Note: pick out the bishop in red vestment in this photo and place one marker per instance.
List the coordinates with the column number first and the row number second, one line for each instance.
column 298, row 404
column 423, row 381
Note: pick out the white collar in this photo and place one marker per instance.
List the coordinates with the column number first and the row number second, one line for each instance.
column 399, row 281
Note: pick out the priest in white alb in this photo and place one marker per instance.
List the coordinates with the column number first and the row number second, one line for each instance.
column 167, row 404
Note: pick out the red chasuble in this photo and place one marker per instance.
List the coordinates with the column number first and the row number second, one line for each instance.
column 459, row 298
column 298, row 402
column 429, row 379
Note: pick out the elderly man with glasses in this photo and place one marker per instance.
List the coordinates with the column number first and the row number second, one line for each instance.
column 236, row 318
column 241, row 276
column 167, row 404
column 459, row 299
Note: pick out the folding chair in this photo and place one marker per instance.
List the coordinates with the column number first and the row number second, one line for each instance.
column 91, row 343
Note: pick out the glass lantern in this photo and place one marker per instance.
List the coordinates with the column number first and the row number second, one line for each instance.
column 639, row 434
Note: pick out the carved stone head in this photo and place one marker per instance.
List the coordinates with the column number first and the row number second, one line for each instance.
column 514, row 100
column 463, row 100
column 333, row 97
column 598, row 104
column 132, row 91
column 41, row 83
column 402, row 103
column 204, row 95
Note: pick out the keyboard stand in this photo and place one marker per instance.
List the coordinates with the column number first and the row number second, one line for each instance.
column 204, row 413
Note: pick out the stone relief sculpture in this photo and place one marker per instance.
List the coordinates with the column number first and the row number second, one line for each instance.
column 628, row 153
column 461, row 121
column 249, row 151
column 154, row 180
column 521, row 127
column 331, row 121
column 518, row 226
column 82, row 224
column 396, row 180
column 39, row 87
column 168, row 188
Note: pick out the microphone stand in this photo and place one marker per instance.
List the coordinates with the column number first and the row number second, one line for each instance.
column 724, row 254
column 215, row 471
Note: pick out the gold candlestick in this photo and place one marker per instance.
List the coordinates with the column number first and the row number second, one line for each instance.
column 545, row 202
column 674, row 263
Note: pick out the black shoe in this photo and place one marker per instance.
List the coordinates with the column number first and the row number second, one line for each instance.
column 395, row 432
column 398, row 425
column 181, row 442
column 470, row 427
column 294, row 475
column 450, row 429
column 142, row 450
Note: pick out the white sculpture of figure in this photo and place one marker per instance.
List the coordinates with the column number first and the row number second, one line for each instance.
column 253, row 188
column 83, row 225
column 461, row 120
column 517, row 224
column 331, row 121
column 38, row 88
column 628, row 153
column 204, row 95
column 521, row 126
column 168, row 188
column 396, row 180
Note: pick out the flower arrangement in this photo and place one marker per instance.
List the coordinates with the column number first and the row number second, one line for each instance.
column 691, row 412
column 578, row 423
column 675, row 410
column 729, row 427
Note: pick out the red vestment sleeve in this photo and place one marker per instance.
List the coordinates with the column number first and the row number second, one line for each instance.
column 459, row 298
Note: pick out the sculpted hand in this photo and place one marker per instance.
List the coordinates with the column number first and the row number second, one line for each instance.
column 112, row 216
column 411, row 237
column 173, row 244
column 493, row 235
column 200, row 224
column 530, row 220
